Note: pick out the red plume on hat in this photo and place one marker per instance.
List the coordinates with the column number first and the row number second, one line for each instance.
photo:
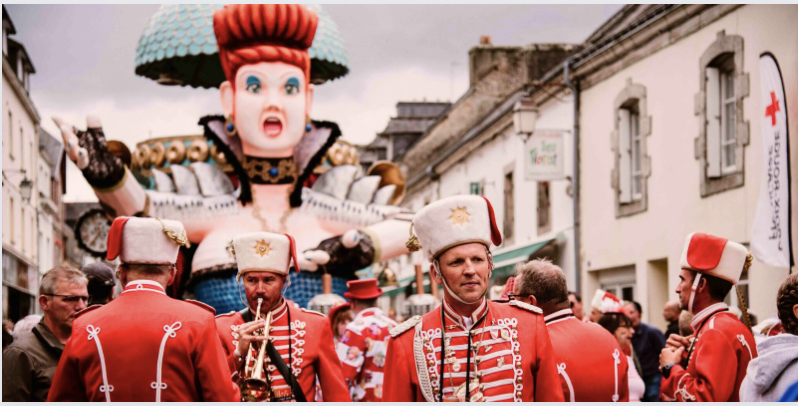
column 293, row 252
column 114, row 242
column 495, row 235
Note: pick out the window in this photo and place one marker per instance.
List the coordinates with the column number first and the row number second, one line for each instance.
column 544, row 208
column 723, row 134
column 382, row 154
column 22, row 238
column 509, row 209
column 632, row 163
column 476, row 188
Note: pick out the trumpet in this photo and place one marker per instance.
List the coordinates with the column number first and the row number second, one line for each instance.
column 255, row 386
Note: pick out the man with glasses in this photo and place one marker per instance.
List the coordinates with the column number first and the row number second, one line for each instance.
column 29, row 362
column 589, row 359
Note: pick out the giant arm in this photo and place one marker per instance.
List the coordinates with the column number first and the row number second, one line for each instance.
column 366, row 228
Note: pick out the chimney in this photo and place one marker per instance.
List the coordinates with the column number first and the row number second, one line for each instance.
column 486, row 58
column 485, row 40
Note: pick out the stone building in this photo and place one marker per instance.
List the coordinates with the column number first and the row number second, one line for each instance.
column 21, row 199
column 670, row 119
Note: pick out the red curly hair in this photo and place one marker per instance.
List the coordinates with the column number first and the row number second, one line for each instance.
column 253, row 33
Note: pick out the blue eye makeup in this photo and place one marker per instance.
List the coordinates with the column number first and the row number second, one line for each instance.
column 253, row 84
column 292, row 86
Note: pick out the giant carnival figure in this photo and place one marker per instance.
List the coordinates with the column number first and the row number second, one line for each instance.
column 260, row 167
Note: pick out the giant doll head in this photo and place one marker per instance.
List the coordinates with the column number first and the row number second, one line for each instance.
column 263, row 49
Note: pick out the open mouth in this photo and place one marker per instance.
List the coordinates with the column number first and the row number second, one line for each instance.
column 272, row 127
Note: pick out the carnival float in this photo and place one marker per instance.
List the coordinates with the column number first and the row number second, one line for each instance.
column 261, row 165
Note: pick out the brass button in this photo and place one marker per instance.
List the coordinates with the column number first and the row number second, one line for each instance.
column 518, row 364
column 479, row 374
column 473, row 333
column 426, row 340
column 482, row 387
column 517, row 351
column 476, row 360
column 518, row 394
column 518, row 379
column 432, row 362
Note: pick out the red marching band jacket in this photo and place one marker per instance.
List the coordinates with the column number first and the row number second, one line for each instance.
column 722, row 349
column 507, row 354
column 142, row 347
column 362, row 352
column 312, row 352
column 590, row 362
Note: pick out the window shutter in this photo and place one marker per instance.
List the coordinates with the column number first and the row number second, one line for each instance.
column 625, row 149
column 713, row 122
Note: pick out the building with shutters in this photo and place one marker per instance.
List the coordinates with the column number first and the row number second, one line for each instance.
column 670, row 119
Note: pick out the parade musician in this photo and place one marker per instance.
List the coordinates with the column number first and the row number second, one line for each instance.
column 710, row 365
column 144, row 346
column 302, row 338
column 468, row 348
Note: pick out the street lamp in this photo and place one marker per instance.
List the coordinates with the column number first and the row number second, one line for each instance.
column 25, row 188
column 525, row 114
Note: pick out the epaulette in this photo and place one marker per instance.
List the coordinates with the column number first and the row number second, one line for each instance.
column 202, row 305
column 406, row 325
column 231, row 313
column 86, row 310
column 526, row 306
column 313, row 312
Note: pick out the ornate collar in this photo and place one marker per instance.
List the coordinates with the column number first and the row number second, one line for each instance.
column 558, row 315
column 270, row 171
column 144, row 284
column 700, row 316
column 475, row 316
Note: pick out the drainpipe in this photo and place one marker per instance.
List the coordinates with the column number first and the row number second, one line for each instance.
column 575, row 176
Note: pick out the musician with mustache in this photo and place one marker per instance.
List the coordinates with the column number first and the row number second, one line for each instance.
column 302, row 338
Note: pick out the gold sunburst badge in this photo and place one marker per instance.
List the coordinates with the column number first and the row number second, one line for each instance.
column 262, row 248
column 459, row 216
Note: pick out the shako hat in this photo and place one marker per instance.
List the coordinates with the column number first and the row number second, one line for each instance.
column 716, row 256
column 264, row 251
column 453, row 221
column 144, row 240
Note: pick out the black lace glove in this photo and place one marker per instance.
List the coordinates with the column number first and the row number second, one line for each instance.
column 345, row 261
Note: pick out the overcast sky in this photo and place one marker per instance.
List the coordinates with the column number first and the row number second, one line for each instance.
column 84, row 60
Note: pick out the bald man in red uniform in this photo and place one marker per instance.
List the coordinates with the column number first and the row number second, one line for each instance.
column 144, row 346
column 590, row 362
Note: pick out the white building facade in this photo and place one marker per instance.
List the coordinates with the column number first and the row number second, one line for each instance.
column 670, row 119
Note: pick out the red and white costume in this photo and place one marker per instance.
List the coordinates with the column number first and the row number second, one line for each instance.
column 362, row 352
column 302, row 337
column 500, row 352
column 714, row 370
column 143, row 346
column 312, row 352
column 590, row 362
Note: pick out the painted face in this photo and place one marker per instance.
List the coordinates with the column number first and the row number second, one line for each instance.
column 270, row 104
column 466, row 270
column 62, row 310
column 266, row 285
column 685, row 287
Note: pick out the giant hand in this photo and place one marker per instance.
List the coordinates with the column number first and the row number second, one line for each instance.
column 89, row 151
column 341, row 256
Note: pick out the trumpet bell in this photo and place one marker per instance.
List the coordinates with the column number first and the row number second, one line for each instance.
column 255, row 390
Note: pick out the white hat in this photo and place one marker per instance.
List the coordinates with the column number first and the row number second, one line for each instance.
column 262, row 251
column 606, row 302
column 143, row 240
column 453, row 221
column 714, row 256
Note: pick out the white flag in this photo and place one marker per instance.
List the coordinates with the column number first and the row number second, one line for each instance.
column 771, row 241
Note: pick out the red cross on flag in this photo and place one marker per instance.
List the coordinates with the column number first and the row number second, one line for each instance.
column 771, row 241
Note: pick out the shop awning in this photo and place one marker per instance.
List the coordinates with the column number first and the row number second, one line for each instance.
column 504, row 263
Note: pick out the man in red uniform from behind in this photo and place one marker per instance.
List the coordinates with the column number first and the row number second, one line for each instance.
column 710, row 365
column 302, row 338
column 362, row 347
column 144, row 346
column 589, row 359
column 468, row 348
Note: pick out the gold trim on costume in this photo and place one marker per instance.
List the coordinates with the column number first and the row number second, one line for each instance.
column 113, row 188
